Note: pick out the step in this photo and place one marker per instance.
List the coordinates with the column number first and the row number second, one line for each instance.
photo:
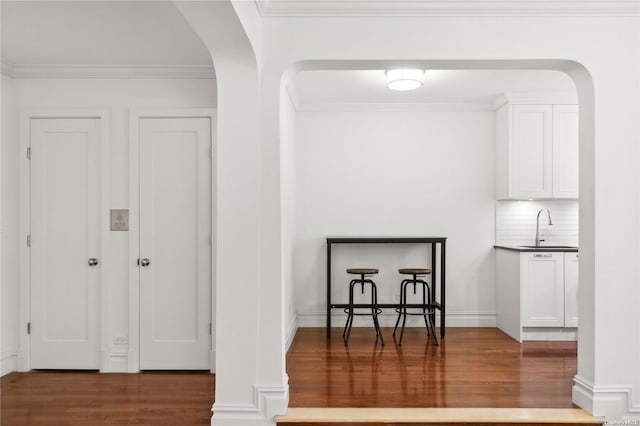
column 436, row 416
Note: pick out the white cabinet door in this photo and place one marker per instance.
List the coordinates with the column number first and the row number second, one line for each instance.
column 571, row 289
column 565, row 151
column 542, row 282
column 65, row 235
column 531, row 151
column 175, row 251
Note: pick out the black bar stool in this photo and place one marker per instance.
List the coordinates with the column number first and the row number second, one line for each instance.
column 427, row 310
column 350, row 310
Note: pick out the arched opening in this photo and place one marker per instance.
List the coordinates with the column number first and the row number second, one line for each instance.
column 295, row 250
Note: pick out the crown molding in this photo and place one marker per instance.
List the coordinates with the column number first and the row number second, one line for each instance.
column 107, row 71
column 392, row 107
column 6, row 67
column 540, row 98
column 448, row 8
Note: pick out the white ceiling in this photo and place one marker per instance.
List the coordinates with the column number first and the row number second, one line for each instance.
column 440, row 86
column 98, row 32
column 136, row 33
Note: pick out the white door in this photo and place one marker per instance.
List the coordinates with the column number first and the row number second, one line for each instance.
column 175, row 238
column 65, row 243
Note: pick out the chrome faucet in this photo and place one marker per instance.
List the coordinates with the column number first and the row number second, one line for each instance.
column 538, row 225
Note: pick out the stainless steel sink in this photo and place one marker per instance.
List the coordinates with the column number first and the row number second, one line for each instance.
column 551, row 247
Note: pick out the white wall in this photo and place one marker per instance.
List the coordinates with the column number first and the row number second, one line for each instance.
column 288, row 185
column 118, row 96
column 9, row 231
column 395, row 174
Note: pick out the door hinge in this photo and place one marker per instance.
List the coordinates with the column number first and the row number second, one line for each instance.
column 210, row 329
column 29, row 153
column 28, row 328
column 29, row 240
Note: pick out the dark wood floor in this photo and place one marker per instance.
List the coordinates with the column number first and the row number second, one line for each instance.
column 48, row 398
column 473, row 367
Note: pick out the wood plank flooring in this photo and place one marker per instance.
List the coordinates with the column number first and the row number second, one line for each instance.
column 48, row 398
column 473, row 367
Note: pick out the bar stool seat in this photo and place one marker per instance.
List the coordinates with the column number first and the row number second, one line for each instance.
column 350, row 309
column 426, row 310
column 365, row 271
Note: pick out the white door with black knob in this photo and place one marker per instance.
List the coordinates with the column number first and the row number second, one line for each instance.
column 65, row 243
column 175, row 252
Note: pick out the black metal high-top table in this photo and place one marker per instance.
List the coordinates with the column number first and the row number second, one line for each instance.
column 434, row 241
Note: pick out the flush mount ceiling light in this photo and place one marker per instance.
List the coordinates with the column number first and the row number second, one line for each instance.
column 404, row 79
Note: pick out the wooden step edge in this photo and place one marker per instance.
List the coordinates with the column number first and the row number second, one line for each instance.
column 438, row 415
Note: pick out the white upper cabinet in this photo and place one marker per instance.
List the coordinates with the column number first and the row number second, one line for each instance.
column 565, row 151
column 531, row 152
column 536, row 151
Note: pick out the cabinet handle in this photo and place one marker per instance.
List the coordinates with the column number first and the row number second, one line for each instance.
column 543, row 255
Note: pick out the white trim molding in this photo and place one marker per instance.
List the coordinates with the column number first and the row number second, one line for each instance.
column 391, row 107
column 448, row 8
column 291, row 333
column 536, row 98
column 611, row 402
column 106, row 71
column 8, row 363
column 6, row 67
column 388, row 319
column 269, row 401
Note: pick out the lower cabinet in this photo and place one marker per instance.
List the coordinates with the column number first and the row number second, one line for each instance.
column 537, row 294
column 542, row 284
column 571, row 289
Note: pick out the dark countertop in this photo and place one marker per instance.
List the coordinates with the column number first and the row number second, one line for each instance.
column 541, row 248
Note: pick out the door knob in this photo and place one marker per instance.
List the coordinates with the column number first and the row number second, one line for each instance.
column 93, row 261
column 145, row 262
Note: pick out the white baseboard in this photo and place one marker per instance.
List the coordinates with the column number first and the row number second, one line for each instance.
column 613, row 403
column 8, row 363
column 133, row 362
column 550, row 334
column 388, row 319
column 269, row 401
column 118, row 362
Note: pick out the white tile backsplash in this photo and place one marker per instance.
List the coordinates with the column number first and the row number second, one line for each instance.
column 516, row 222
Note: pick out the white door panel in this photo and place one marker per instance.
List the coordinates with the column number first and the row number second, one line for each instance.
column 565, row 151
column 175, row 229
column 532, row 151
column 543, row 289
column 65, row 233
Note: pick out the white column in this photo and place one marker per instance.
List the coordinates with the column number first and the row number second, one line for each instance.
column 251, row 385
